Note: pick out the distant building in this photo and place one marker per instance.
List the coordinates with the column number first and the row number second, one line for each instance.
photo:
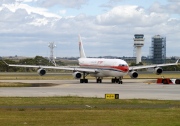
column 158, row 49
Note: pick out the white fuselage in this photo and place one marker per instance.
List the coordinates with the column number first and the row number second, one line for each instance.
column 105, row 67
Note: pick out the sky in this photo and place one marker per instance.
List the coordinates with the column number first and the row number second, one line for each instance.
column 107, row 27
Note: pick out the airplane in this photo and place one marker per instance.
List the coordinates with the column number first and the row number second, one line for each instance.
column 99, row 68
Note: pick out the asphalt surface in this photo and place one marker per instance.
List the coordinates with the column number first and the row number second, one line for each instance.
column 130, row 89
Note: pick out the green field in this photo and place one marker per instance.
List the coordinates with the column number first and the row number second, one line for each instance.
column 76, row 111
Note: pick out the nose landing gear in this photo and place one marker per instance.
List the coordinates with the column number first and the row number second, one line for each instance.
column 98, row 80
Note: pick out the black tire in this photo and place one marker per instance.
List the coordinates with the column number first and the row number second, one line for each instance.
column 177, row 81
column 120, row 82
column 113, row 80
column 100, row 80
column 117, row 81
column 81, row 80
column 86, row 80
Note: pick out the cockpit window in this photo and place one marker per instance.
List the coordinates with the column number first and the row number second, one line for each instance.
column 122, row 65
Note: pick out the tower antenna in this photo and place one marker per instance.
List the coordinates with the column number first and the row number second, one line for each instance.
column 51, row 57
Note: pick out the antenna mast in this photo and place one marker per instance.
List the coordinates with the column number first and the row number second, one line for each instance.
column 52, row 58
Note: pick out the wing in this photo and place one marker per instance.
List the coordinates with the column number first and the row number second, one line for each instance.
column 152, row 66
column 70, row 68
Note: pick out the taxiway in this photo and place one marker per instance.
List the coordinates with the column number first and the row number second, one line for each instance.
column 130, row 89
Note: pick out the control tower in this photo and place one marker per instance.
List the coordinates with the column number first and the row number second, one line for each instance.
column 138, row 43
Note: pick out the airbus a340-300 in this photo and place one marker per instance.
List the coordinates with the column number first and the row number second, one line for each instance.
column 99, row 68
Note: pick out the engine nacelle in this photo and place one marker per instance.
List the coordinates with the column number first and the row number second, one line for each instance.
column 77, row 75
column 158, row 70
column 133, row 74
column 41, row 72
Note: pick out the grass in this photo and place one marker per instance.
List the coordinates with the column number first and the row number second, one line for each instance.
column 15, row 84
column 53, row 111
column 19, row 84
column 126, row 117
column 34, row 76
column 11, row 101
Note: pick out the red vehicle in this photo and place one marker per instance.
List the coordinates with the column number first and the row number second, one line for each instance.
column 164, row 81
column 168, row 81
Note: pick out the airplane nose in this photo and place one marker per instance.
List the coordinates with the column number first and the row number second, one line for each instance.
column 126, row 69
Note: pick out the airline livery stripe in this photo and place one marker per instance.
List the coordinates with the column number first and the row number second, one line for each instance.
column 111, row 68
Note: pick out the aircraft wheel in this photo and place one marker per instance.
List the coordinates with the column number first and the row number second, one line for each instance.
column 81, row 80
column 120, row 82
column 113, row 80
column 99, row 80
column 86, row 80
column 117, row 81
column 177, row 81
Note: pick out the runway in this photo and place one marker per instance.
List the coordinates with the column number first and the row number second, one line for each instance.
column 130, row 89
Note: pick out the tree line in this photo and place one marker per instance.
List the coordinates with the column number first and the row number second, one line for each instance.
column 38, row 60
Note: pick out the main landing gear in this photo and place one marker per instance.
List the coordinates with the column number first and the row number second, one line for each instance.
column 98, row 80
column 84, row 80
column 117, row 80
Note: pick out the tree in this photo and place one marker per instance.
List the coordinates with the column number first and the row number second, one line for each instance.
column 134, row 64
column 38, row 60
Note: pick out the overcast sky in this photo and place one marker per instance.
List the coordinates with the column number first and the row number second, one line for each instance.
column 107, row 27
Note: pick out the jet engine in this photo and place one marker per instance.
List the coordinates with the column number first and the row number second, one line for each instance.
column 41, row 72
column 158, row 70
column 77, row 75
column 133, row 74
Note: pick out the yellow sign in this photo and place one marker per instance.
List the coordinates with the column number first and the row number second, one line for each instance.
column 112, row 96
